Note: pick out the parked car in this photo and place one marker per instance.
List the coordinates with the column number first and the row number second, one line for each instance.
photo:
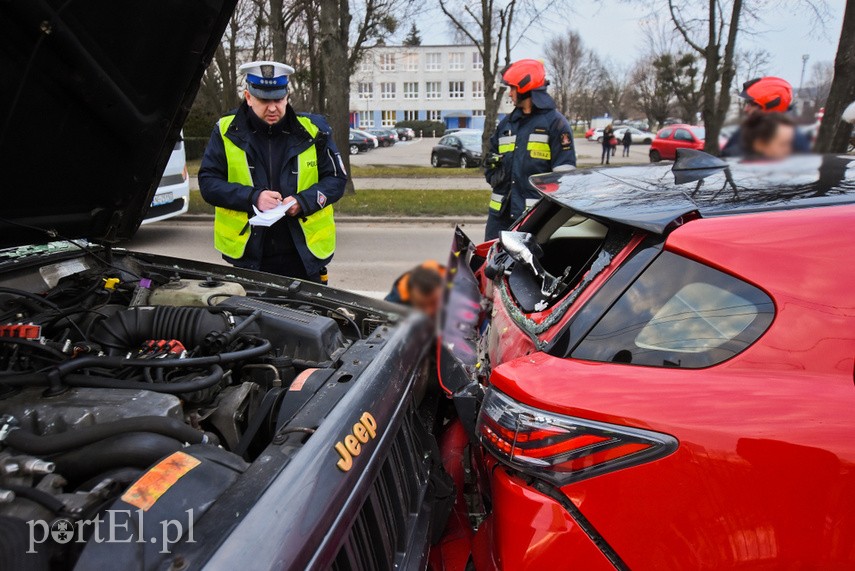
column 359, row 143
column 597, row 135
column 673, row 137
column 162, row 412
column 385, row 137
column 666, row 362
column 172, row 197
column 367, row 135
column 638, row 136
column 460, row 149
column 405, row 134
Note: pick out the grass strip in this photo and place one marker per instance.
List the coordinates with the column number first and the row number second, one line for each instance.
column 394, row 202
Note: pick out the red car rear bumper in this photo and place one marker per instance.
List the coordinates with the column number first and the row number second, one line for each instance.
column 529, row 530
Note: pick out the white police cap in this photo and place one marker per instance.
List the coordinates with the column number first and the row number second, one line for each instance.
column 267, row 79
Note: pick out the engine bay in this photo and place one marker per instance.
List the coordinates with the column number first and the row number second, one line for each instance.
column 108, row 365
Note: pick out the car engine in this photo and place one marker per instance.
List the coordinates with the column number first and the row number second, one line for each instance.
column 102, row 376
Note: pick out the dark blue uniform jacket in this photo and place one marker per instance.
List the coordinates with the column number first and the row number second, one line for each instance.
column 272, row 154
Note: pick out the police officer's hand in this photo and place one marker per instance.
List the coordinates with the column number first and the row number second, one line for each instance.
column 268, row 200
column 294, row 210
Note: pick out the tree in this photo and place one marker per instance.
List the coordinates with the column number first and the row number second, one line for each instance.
column 614, row 91
column 565, row 56
column 679, row 73
column 495, row 26
column 821, row 76
column 711, row 28
column 834, row 134
column 413, row 38
column 333, row 32
column 650, row 92
column 720, row 27
column 342, row 48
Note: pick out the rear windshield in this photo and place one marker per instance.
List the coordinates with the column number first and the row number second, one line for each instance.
column 698, row 132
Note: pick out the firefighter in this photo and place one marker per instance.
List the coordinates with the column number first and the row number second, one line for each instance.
column 420, row 288
column 534, row 138
column 765, row 95
column 264, row 155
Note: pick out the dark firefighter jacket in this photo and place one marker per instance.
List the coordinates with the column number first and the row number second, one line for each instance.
column 529, row 144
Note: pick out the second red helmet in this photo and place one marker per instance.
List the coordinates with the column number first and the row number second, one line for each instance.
column 770, row 93
column 525, row 75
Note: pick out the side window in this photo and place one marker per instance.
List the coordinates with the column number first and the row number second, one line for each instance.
column 665, row 133
column 683, row 135
column 453, row 142
column 679, row 313
column 444, row 140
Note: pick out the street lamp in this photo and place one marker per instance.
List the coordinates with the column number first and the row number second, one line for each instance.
column 805, row 59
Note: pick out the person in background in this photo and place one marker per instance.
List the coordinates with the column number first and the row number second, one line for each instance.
column 608, row 133
column 534, row 138
column 420, row 288
column 627, row 142
column 765, row 95
column 768, row 136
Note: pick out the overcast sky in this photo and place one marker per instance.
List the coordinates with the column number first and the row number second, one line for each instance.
column 612, row 28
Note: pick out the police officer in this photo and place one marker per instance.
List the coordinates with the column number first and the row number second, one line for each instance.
column 765, row 95
column 263, row 155
column 534, row 138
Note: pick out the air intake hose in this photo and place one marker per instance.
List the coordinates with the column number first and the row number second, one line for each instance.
column 130, row 328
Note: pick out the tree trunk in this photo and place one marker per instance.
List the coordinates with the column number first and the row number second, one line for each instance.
column 277, row 30
column 711, row 58
column 728, row 71
column 491, row 102
column 834, row 134
column 334, row 24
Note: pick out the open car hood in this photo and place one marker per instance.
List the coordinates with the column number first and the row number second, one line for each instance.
column 95, row 94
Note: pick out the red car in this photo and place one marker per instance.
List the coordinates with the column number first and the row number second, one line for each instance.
column 674, row 137
column 662, row 369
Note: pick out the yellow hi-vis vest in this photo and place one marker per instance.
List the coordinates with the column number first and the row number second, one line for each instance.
column 231, row 230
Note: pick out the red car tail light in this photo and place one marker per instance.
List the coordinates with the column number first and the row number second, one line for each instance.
column 562, row 449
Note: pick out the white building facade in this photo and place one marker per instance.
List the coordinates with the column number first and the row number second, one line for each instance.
column 409, row 83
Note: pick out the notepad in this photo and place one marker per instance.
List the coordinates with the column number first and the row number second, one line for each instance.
column 272, row 216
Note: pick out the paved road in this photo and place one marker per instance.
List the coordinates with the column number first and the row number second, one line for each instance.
column 369, row 256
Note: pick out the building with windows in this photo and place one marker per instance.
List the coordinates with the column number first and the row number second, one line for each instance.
column 407, row 83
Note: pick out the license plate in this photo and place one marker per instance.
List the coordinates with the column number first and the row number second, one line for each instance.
column 164, row 198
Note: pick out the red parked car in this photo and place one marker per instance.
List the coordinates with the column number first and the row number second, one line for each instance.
column 662, row 368
column 674, row 137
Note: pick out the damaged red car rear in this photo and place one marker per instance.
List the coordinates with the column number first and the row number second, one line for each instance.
column 658, row 373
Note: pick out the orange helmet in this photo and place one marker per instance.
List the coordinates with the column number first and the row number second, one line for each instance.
column 769, row 93
column 525, row 75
